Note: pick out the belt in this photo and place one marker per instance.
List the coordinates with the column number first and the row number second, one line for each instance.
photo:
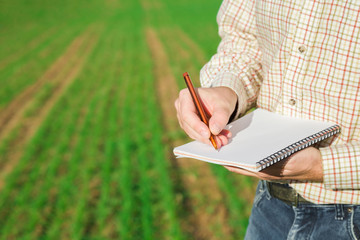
column 286, row 194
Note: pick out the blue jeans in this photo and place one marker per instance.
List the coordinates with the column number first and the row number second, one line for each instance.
column 271, row 218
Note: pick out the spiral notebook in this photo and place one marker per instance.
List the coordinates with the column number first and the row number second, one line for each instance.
column 261, row 139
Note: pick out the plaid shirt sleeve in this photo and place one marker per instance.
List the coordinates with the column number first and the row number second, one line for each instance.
column 237, row 62
column 341, row 166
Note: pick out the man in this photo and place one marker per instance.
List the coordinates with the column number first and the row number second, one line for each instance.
column 300, row 59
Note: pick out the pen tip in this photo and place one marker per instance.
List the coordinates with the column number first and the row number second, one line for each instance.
column 185, row 74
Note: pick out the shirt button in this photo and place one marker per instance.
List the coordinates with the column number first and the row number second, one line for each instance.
column 292, row 102
column 302, row 49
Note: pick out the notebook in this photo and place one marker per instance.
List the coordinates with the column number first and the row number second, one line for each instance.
column 261, row 139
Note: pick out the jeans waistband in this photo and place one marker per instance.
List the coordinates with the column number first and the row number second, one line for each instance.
column 286, row 194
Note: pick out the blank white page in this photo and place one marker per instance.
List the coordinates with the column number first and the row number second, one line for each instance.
column 256, row 136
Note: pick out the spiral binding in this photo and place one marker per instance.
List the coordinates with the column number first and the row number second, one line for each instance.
column 295, row 147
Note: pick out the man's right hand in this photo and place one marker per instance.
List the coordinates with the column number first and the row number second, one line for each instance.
column 219, row 102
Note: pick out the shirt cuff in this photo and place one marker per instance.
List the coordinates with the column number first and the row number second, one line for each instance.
column 341, row 166
column 231, row 81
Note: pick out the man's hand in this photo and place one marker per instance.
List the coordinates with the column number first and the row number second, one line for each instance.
column 303, row 165
column 219, row 102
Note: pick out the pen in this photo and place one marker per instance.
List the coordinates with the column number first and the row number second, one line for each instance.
column 198, row 105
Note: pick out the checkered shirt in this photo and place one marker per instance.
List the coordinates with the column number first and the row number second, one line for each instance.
column 300, row 59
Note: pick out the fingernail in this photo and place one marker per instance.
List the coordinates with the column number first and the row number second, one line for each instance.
column 215, row 128
column 229, row 134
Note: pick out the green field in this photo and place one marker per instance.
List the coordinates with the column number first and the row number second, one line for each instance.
column 87, row 124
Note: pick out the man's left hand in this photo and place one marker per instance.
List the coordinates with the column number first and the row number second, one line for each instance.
column 303, row 165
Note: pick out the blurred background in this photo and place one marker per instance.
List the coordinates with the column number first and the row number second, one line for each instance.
column 87, row 123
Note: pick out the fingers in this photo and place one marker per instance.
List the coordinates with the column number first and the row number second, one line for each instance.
column 191, row 123
column 195, row 129
column 188, row 118
column 222, row 108
column 222, row 138
column 218, row 120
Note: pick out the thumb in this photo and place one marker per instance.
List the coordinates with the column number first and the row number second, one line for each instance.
column 218, row 121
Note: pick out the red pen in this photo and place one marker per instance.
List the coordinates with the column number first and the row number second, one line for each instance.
column 198, row 105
